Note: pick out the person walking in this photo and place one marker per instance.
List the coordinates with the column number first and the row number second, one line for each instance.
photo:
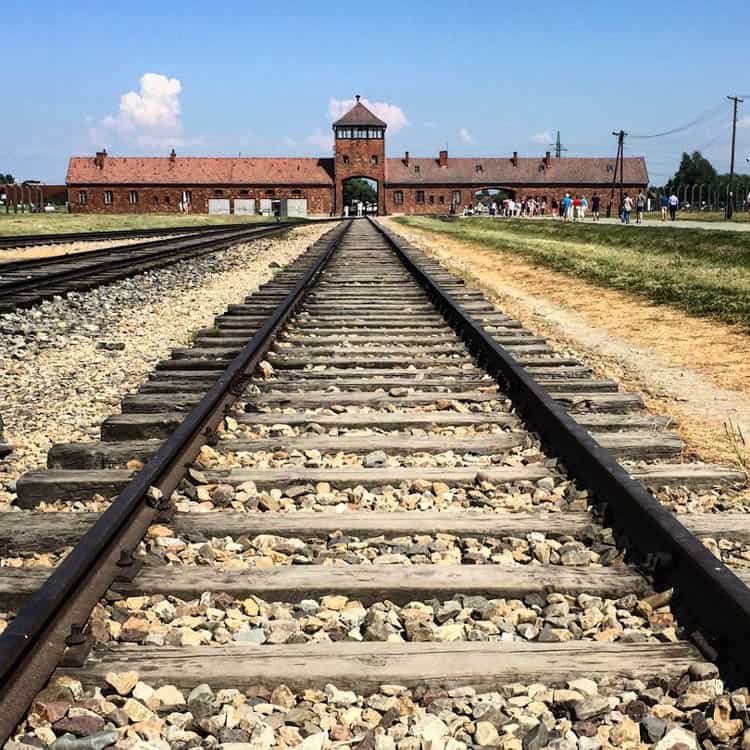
column 674, row 202
column 664, row 203
column 584, row 207
column 596, row 203
column 640, row 207
column 627, row 207
column 567, row 207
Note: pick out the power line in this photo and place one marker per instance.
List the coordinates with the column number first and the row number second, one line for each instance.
column 705, row 117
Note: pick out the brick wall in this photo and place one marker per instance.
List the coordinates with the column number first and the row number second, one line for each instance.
column 354, row 159
column 154, row 199
column 437, row 198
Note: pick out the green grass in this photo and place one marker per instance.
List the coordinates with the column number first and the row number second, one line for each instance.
column 738, row 216
column 703, row 272
column 54, row 223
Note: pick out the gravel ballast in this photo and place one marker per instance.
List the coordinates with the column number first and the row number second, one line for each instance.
column 69, row 361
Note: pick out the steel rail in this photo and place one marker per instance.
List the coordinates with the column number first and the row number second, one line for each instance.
column 25, row 240
column 39, row 286
column 110, row 256
column 712, row 602
column 35, row 641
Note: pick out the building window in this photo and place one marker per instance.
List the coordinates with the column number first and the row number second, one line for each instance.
column 417, row 170
column 456, row 197
column 218, row 192
column 478, row 169
column 244, row 192
column 345, row 159
column 269, row 192
column 107, row 197
column 296, row 192
column 610, row 168
column 133, row 197
column 432, row 200
column 166, row 199
column 441, row 199
column 420, row 196
column 156, row 199
column 83, row 197
column 398, row 197
column 373, row 160
column 187, row 197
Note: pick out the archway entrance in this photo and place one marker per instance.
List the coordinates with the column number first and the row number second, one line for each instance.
column 486, row 197
column 360, row 196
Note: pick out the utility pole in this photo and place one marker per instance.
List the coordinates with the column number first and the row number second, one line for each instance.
column 618, row 163
column 730, row 193
column 559, row 148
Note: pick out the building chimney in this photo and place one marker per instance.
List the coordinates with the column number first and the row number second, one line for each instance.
column 172, row 155
column 443, row 158
column 515, row 158
column 100, row 157
column 548, row 160
column 406, row 158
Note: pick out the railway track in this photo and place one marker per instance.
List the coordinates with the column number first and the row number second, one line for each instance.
column 32, row 240
column 26, row 282
column 366, row 476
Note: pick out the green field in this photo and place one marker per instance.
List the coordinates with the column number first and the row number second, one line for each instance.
column 737, row 216
column 704, row 272
column 11, row 224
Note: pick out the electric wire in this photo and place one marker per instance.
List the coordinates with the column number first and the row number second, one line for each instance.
column 704, row 117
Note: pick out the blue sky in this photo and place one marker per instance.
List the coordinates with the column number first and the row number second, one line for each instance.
column 266, row 78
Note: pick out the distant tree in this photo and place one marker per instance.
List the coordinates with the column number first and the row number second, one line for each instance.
column 359, row 189
column 694, row 169
column 6, row 179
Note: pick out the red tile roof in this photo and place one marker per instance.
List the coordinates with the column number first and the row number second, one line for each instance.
column 198, row 170
column 502, row 172
column 360, row 115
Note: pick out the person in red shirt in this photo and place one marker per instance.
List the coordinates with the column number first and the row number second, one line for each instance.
column 577, row 208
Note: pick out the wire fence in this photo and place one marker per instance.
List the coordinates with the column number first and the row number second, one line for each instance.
column 710, row 197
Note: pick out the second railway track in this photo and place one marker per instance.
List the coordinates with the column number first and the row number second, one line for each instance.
column 411, row 491
column 25, row 283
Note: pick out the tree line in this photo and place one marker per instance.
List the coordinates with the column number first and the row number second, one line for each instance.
column 695, row 169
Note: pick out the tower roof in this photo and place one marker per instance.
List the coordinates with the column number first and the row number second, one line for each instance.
column 360, row 115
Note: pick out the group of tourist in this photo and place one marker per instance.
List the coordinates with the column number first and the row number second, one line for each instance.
column 573, row 208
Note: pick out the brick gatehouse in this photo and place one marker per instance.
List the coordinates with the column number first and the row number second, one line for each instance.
column 315, row 186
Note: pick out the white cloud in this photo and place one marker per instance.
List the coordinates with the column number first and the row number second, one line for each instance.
column 391, row 114
column 323, row 141
column 149, row 117
column 743, row 122
column 465, row 136
column 544, row 136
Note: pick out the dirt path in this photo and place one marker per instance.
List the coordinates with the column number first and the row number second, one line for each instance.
column 693, row 370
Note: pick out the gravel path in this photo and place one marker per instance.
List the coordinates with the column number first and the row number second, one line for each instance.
column 70, row 361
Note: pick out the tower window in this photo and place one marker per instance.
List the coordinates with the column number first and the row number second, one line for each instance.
column 417, row 169
column 218, row 192
column 373, row 160
column 478, row 169
column 244, row 192
column 345, row 159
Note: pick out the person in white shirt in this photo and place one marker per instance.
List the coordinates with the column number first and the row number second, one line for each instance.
column 674, row 202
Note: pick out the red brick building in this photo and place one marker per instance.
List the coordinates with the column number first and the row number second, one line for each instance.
column 109, row 184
